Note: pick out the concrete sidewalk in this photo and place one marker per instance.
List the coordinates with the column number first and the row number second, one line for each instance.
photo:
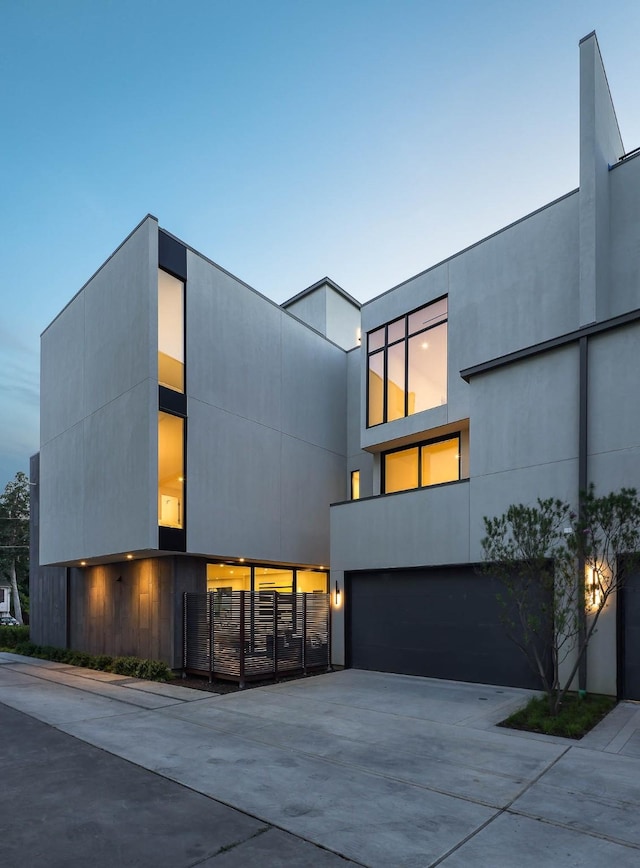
column 385, row 770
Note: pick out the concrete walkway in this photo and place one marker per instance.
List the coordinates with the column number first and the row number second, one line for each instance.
column 384, row 770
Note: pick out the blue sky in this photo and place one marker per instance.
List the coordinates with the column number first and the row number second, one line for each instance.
column 363, row 139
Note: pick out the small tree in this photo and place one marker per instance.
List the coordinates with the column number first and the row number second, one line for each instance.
column 522, row 549
column 551, row 562
column 605, row 544
column 14, row 537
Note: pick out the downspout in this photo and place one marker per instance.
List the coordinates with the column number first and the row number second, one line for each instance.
column 582, row 487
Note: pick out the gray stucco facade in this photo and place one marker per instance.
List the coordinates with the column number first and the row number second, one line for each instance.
column 516, row 304
column 276, row 405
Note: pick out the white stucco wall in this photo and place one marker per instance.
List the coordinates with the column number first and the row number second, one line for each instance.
column 99, row 370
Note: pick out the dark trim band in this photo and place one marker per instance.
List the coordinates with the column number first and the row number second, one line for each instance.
column 554, row 343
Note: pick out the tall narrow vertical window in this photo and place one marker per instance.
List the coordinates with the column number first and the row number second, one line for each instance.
column 170, row 331
column 407, row 363
column 170, row 470
column 355, row 485
column 376, row 388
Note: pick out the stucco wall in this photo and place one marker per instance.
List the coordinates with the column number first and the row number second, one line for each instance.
column 98, row 411
column 514, row 289
column 266, row 428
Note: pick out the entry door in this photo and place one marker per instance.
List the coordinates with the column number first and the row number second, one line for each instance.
column 630, row 645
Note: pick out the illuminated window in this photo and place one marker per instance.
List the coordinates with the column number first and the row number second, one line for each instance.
column 311, row 582
column 228, row 577
column 170, row 470
column 355, row 485
column 170, row 331
column 419, row 466
column 407, row 364
column 267, row 579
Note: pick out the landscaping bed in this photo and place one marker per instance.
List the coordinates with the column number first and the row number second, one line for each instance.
column 577, row 715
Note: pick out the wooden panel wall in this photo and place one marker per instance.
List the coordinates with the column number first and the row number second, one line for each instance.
column 125, row 609
column 47, row 585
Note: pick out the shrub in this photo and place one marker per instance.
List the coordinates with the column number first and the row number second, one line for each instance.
column 26, row 648
column 152, row 670
column 12, row 636
column 102, row 662
column 80, row 658
column 125, row 666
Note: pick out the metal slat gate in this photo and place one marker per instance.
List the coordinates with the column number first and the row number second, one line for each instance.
column 244, row 635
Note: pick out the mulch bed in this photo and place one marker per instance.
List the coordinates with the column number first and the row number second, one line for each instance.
column 220, row 686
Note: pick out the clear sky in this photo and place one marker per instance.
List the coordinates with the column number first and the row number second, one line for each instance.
column 284, row 139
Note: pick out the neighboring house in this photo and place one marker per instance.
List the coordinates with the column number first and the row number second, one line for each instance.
column 5, row 599
column 191, row 427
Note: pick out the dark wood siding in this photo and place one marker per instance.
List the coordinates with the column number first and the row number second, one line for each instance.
column 124, row 608
column 47, row 585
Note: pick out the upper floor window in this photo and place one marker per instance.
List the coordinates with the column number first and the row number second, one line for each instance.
column 170, row 470
column 429, row 463
column 170, row 331
column 407, row 364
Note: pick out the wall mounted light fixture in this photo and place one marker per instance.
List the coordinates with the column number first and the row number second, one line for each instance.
column 592, row 589
column 337, row 593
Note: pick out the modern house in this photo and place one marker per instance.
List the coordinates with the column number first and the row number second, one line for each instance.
column 194, row 435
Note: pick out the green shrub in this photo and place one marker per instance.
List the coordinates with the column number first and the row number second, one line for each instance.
column 12, row 636
column 151, row 670
column 26, row 648
column 80, row 658
column 125, row 666
column 102, row 662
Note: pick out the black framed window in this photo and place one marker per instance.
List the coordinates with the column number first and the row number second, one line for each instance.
column 171, row 345
column 407, row 364
column 355, row 485
column 421, row 465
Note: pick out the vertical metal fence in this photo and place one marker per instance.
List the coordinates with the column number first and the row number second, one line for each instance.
column 243, row 635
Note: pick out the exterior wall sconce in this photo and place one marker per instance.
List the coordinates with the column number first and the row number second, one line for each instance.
column 337, row 597
column 593, row 590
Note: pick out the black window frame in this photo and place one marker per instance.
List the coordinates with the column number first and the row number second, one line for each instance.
column 351, row 486
column 384, row 351
column 456, row 435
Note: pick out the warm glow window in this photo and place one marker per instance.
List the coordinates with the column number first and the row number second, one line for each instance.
column 170, row 470
column 226, row 578
column 422, row 465
column 355, row 485
column 170, row 331
column 407, row 364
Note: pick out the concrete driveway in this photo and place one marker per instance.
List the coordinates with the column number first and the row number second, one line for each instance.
column 385, row 770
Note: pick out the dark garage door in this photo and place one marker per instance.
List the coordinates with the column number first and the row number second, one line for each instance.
column 630, row 645
column 442, row 623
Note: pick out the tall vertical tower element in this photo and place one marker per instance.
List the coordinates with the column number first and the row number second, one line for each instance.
column 600, row 148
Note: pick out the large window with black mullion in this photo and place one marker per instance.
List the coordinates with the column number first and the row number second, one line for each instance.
column 432, row 462
column 407, row 364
